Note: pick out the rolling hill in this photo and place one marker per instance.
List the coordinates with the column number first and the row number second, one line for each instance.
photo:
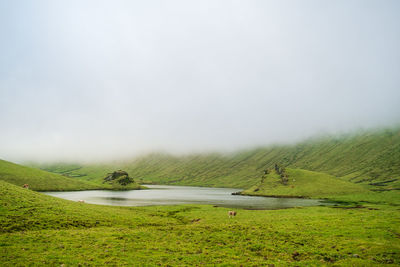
column 41, row 180
column 302, row 183
column 38, row 179
column 23, row 209
column 371, row 158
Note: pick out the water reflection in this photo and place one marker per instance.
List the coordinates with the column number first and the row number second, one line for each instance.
column 174, row 195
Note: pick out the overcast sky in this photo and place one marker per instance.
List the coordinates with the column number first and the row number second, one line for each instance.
column 89, row 80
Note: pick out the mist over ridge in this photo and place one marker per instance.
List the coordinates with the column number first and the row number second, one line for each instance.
column 98, row 81
column 124, row 157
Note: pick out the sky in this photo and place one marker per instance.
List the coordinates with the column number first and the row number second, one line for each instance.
column 100, row 80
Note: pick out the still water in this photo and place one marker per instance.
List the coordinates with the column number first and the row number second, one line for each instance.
column 173, row 195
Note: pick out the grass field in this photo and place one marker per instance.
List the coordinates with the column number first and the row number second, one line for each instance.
column 41, row 230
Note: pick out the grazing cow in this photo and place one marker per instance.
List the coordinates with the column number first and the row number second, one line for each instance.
column 231, row 213
column 26, row 186
column 81, row 201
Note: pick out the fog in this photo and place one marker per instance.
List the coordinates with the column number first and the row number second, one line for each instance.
column 101, row 80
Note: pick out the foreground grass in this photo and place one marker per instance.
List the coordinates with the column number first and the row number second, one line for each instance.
column 42, row 230
column 310, row 236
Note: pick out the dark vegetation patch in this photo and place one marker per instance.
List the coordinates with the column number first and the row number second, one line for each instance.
column 383, row 183
column 384, row 189
column 120, row 178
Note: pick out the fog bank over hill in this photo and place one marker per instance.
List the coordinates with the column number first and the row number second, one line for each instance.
column 100, row 80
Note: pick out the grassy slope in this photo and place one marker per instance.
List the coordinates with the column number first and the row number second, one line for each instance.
column 38, row 179
column 360, row 158
column 368, row 157
column 42, row 230
column 45, row 181
column 93, row 173
column 305, row 184
column 23, row 209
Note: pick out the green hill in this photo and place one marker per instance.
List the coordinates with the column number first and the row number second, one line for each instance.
column 371, row 158
column 302, row 183
column 41, row 180
column 38, row 179
column 93, row 173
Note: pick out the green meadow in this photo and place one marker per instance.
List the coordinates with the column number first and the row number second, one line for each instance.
column 41, row 230
column 358, row 175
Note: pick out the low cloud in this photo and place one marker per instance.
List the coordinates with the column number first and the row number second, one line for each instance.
column 98, row 80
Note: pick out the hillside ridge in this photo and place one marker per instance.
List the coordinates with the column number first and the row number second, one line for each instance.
column 369, row 158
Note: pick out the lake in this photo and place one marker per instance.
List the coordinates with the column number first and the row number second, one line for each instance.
column 174, row 195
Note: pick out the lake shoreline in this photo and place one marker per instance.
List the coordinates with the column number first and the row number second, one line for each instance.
column 157, row 195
